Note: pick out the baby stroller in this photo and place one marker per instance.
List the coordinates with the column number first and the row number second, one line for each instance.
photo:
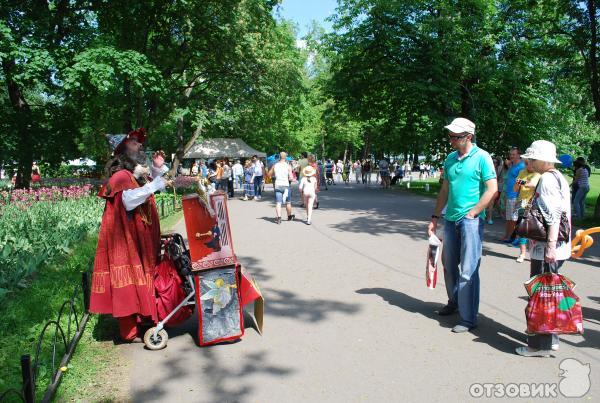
column 174, row 249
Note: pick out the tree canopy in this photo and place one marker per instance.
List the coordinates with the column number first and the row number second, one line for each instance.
column 388, row 77
column 522, row 70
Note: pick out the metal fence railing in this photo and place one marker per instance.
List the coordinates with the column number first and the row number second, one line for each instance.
column 167, row 206
column 62, row 340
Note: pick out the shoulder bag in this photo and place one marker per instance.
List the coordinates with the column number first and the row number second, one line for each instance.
column 532, row 225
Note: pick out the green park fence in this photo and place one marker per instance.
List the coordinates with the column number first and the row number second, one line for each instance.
column 63, row 339
column 168, row 204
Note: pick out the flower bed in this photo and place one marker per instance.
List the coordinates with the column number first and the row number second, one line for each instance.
column 26, row 197
column 186, row 184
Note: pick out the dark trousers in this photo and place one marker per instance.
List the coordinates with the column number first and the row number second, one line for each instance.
column 230, row 187
column 258, row 186
column 543, row 341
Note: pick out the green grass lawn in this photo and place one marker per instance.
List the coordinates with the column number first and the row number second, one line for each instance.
column 418, row 187
column 27, row 310
column 96, row 372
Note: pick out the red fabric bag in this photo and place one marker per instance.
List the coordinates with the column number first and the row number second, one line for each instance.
column 553, row 307
column 170, row 293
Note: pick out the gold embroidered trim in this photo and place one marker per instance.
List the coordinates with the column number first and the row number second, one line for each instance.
column 98, row 282
column 126, row 275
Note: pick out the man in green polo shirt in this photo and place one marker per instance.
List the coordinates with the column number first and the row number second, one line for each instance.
column 469, row 186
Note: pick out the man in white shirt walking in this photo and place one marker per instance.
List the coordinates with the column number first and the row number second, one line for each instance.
column 238, row 174
column 282, row 172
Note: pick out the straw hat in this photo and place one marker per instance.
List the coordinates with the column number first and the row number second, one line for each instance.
column 308, row 171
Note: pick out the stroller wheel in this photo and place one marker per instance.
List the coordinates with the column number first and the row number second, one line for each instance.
column 158, row 342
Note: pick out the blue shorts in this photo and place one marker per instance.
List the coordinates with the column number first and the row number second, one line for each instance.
column 283, row 194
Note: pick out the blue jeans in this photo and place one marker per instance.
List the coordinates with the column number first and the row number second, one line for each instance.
column 462, row 247
column 579, row 201
column 258, row 185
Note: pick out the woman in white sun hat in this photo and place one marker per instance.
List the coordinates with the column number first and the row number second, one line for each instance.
column 553, row 197
column 308, row 187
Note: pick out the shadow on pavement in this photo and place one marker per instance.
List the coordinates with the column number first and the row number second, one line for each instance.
column 228, row 381
column 489, row 331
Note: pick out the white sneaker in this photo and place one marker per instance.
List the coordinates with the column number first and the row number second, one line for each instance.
column 521, row 258
column 555, row 347
column 490, row 222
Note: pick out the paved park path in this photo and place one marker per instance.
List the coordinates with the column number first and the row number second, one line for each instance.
column 348, row 317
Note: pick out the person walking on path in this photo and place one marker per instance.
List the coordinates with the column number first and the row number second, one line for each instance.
column 308, row 188
column 257, row 178
column 203, row 170
column 282, row 172
column 384, row 172
column 227, row 178
column 525, row 185
column 366, row 172
column 302, row 163
column 581, row 186
column 407, row 169
column 512, row 209
column 468, row 187
column 312, row 162
column 553, row 198
column 357, row 167
column 339, row 170
column 238, row 174
column 248, row 180
column 220, row 184
column 329, row 169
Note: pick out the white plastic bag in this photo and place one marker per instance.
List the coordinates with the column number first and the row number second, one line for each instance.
column 434, row 252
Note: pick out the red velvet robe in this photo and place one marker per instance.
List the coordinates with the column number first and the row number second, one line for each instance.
column 127, row 253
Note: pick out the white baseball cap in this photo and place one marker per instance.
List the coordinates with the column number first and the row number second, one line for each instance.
column 461, row 125
column 542, row 150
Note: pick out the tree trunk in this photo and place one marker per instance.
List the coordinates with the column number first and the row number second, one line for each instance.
column 366, row 147
column 24, row 124
column 182, row 149
column 594, row 81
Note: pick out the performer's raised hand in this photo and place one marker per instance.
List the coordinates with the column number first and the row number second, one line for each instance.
column 158, row 158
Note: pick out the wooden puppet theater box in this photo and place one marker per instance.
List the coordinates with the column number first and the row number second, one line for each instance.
column 223, row 287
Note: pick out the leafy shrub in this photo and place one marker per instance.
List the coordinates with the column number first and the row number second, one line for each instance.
column 31, row 233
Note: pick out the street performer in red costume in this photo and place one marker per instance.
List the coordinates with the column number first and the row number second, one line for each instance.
column 129, row 240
